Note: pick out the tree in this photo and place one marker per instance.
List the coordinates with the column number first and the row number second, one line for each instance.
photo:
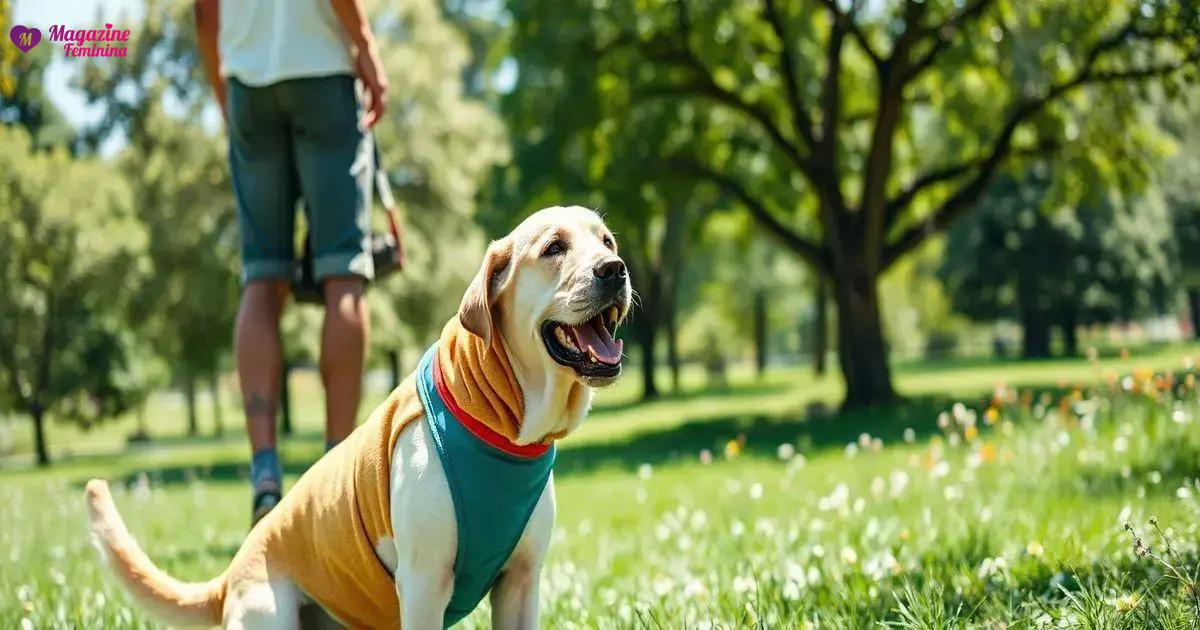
column 852, row 132
column 72, row 251
column 438, row 143
column 181, row 184
column 1178, row 176
column 1024, row 255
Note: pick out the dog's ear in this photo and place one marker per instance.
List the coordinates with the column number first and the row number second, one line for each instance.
column 475, row 313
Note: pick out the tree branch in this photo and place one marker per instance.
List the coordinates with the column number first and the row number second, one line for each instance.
column 962, row 199
column 787, row 61
column 705, row 87
column 856, row 31
column 811, row 252
column 943, row 33
column 946, row 173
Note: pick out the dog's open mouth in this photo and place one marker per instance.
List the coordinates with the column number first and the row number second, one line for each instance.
column 588, row 347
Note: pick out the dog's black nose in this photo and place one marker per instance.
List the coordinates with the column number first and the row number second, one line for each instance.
column 609, row 269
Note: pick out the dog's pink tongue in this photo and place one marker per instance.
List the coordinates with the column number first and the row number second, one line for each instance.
column 593, row 337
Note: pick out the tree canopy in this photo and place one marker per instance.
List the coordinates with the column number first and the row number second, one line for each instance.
column 850, row 131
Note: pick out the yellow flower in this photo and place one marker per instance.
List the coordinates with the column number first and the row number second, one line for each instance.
column 1034, row 548
column 904, row 534
column 1126, row 603
column 991, row 415
column 733, row 448
column 987, row 453
column 970, row 433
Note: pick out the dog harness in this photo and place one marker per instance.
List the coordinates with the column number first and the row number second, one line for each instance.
column 495, row 486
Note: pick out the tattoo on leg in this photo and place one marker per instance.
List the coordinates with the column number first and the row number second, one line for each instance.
column 257, row 405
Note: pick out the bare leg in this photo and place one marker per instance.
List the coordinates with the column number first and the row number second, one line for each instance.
column 343, row 347
column 260, row 357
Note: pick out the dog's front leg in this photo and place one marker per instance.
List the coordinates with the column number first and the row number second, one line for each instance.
column 514, row 599
column 514, row 596
column 426, row 538
column 423, row 599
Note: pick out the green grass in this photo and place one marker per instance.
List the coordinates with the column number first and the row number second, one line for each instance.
column 1019, row 526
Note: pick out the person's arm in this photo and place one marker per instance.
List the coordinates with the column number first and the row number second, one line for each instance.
column 366, row 56
column 208, row 22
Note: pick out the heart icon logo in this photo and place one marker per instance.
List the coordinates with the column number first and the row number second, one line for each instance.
column 25, row 38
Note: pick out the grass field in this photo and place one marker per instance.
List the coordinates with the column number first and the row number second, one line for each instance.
column 743, row 506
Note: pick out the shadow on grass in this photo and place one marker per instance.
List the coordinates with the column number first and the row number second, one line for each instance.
column 812, row 432
column 725, row 391
column 763, row 434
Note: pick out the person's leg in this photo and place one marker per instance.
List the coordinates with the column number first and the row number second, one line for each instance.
column 259, row 356
column 266, row 190
column 334, row 163
column 343, row 349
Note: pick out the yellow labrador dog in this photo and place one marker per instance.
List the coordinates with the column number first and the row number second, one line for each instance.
column 445, row 493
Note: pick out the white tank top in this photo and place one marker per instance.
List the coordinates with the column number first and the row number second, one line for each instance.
column 266, row 41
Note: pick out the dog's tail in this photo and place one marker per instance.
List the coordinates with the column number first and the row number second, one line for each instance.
column 178, row 603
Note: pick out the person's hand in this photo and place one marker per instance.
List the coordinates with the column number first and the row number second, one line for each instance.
column 222, row 103
column 375, row 83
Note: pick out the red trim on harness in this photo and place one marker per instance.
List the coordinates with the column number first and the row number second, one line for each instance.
column 479, row 429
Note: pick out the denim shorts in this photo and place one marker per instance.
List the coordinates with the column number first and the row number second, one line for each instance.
column 298, row 140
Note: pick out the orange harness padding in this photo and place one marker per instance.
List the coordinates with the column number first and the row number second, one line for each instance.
column 322, row 535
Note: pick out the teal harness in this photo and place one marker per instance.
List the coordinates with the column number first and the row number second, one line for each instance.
column 494, row 495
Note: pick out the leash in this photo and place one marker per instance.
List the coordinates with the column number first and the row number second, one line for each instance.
column 386, row 250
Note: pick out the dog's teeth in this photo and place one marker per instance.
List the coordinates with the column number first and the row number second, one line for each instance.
column 613, row 313
column 569, row 341
column 564, row 339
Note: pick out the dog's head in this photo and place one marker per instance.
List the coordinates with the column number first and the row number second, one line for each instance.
column 553, row 291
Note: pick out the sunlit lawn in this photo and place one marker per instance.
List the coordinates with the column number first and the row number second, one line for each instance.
column 728, row 507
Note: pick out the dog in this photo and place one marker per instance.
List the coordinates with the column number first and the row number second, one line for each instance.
column 445, row 493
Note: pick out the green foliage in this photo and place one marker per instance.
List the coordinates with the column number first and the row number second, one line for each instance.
column 73, row 256
column 1178, row 175
column 852, row 132
column 437, row 144
column 179, row 179
column 22, row 90
column 1105, row 259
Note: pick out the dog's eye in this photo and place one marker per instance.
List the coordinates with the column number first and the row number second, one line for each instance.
column 608, row 242
column 555, row 248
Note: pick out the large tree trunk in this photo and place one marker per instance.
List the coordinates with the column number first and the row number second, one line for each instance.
column 862, row 353
column 1069, row 325
column 217, row 413
column 189, row 396
column 821, row 326
column 672, row 344
column 285, row 399
column 760, row 331
column 1193, row 298
column 645, row 326
column 647, row 338
column 393, row 358
column 39, row 435
column 1035, row 333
